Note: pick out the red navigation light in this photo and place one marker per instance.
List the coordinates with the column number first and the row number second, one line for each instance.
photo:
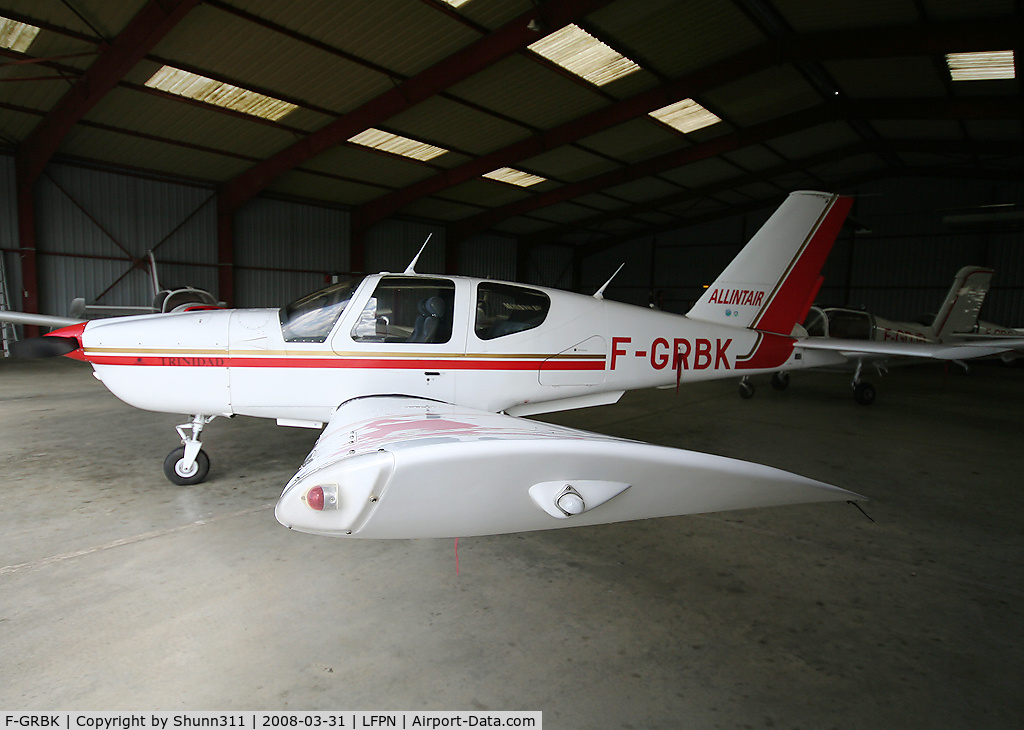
column 315, row 498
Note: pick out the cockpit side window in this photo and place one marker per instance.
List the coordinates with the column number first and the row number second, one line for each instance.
column 504, row 309
column 846, row 325
column 816, row 323
column 412, row 309
column 312, row 318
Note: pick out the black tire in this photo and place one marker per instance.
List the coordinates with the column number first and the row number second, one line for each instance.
column 746, row 391
column 199, row 470
column 864, row 393
column 780, row 380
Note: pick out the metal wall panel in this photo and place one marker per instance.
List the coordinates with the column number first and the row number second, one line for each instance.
column 91, row 222
column 899, row 264
column 391, row 245
column 549, row 266
column 9, row 231
column 284, row 250
column 489, row 257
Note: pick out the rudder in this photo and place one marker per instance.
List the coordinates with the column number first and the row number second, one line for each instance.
column 773, row 281
column 959, row 311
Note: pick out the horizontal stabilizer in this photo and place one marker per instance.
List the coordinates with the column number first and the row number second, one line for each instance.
column 393, row 467
column 954, row 351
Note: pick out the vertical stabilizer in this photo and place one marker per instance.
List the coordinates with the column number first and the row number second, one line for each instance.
column 959, row 313
column 772, row 283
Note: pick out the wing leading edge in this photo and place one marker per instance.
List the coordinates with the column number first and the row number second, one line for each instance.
column 399, row 467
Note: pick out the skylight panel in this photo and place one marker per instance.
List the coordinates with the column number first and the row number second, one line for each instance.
column 577, row 51
column 980, row 66
column 686, row 116
column 200, row 88
column 16, row 36
column 397, row 145
column 514, row 177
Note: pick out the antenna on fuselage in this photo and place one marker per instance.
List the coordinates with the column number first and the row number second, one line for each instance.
column 411, row 268
column 152, row 274
column 599, row 294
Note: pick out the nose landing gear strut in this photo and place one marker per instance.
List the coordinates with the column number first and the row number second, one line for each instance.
column 189, row 464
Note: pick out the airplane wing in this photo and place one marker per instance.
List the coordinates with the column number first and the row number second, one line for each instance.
column 42, row 320
column 869, row 349
column 403, row 467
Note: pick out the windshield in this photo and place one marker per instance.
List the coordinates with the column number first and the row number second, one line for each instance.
column 312, row 318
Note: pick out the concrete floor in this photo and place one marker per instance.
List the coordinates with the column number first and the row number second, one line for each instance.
column 121, row 591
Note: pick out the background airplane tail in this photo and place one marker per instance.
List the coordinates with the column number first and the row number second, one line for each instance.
column 773, row 281
column 959, row 312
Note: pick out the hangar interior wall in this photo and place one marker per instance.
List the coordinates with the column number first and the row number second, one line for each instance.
column 915, row 236
column 91, row 223
column 912, row 236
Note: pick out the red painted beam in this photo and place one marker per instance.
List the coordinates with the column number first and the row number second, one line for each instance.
column 462, row 64
column 861, row 43
column 998, row 107
column 144, row 31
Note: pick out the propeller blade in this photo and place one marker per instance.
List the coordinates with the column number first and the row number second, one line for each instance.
column 46, row 346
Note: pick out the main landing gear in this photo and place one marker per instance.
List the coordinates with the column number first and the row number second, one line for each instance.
column 863, row 391
column 780, row 381
column 189, row 464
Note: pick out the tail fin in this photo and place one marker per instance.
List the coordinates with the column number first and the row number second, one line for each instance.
column 959, row 313
column 772, row 283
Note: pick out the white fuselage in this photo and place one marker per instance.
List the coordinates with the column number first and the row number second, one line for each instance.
column 586, row 351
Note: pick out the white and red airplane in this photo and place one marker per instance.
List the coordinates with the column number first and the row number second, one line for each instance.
column 422, row 380
column 866, row 339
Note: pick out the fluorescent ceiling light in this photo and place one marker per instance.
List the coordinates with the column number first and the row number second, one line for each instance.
column 16, row 36
column 514, row 177
column 200, row 88
column 686, row 116
column 577, row 51
column 397, row 145
column 455, row 3
column 980, row 66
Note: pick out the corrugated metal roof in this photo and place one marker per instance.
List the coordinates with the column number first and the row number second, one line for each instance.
column 812, row 15
column 770, row 93
column 568, row 163
column 887, row 77
column 525, row 91
column 415, row 35
column 330, row 58
column 678, row 37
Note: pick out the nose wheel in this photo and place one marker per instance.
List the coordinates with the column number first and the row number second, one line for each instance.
column 188, row 464
column 178, row 472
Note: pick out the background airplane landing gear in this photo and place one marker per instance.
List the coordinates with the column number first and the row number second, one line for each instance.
column 780, row 380
column 175, row 471
column 864, row 393
column 746, row 388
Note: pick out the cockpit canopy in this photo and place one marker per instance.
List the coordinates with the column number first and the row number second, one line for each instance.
column 414, row 309
column 311, row 318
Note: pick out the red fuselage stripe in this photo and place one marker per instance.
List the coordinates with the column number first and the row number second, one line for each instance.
column 332, row 363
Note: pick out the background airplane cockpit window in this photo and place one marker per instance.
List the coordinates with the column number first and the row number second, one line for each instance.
column 407, row 309
column 504, row 310
column 311, row 318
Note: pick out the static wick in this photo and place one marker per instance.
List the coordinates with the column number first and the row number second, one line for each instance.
column 849, row 501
